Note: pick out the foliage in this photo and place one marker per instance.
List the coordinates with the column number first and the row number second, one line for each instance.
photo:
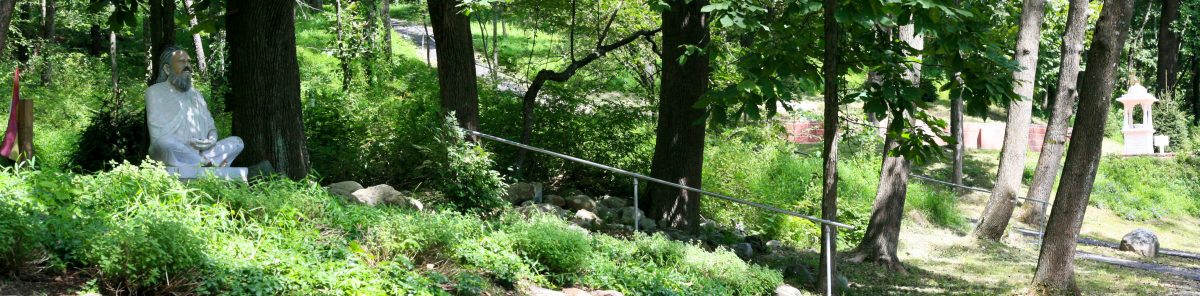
column 116, row 133
column 553, row 245
column 1122, row 186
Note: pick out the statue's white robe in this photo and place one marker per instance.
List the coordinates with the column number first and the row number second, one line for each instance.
column 179, row 118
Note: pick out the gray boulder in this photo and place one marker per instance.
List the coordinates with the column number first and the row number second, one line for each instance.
column 742, row 250
column 542, row 208
column 613, row 202
column 539, row 291
column 586, row 219
column 647, row 224
column 787, row 290
column 344, row 189
column 606, row 293
column 628, row 214
column 575, row 292
column 519, row 192
column 1140, row 241
column 375, row 195
column 555, row 200
column 580, row 202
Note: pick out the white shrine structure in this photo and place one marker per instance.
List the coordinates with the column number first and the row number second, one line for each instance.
column 1139, row 137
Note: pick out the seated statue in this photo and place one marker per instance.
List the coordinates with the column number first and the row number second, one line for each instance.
column 182, row 131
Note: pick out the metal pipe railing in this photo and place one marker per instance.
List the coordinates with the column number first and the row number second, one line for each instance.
column 827, row 237
column 661, row 182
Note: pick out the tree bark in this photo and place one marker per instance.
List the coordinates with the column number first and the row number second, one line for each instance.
column 679, row 144
column 386, row 16
column 341, row 43
column 264, row 86
column 112, row 56
column 956, row 131
column 996, row 214
column 1064, row 104
column 6, row 11
column 162, row 33
column 883, row 231
column 48, row 15
column 201, row 60
column 456, row 62
column 96, row 40
column 829, row 189
column 1056, row 262
column 1168, row 49
column 530, row 99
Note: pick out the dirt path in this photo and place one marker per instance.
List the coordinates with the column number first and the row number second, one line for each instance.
column 422, row 37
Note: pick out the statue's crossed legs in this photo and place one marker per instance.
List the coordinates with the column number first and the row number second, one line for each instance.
column 177, row 154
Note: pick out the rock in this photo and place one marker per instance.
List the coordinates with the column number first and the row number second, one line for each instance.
column 580, row 202
column 774, row 244
column 743, row 250
column 647, row 224
column 708, row 225
column 606, row 293
column 628, row 215
column 1140, row 241
column 586, row 219
column 575, row 292
column 539, row 291
column 413, row 203
column 542, row 208
column 613, row 202
column 555, row 200
column 375, row 194
column 519, row 192
column 787, row 290
column 527, row 203
column 344, row 189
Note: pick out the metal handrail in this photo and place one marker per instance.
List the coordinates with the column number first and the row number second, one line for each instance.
column 662, row 182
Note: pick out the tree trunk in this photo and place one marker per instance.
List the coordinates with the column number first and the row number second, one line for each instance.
column 386, row 16
column 201, row 60
column 883, row 231
column 456, row 62
column 956, row 131
column 1196, row 88
column 679, row 145
column 48, row 14
column 1168, row 49
column 264, row 86
column 1064, row 104
column 495, row 44
column 1056, row 262
column 6, row 11
column 162, row 33
column 829, row 181
column 994, row 219
column 96, row 40
column 112, row 56
column 343, row 59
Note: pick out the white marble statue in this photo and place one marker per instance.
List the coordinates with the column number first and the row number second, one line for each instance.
column 182, row 132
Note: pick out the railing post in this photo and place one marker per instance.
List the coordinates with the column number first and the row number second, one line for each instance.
column 828, row 260
column 636, row 209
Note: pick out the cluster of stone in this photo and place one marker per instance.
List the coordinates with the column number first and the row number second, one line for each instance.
column 599, row 213
column 381, row 194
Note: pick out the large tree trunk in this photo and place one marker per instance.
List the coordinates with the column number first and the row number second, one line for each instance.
column 201, row 60
column 264, row 86
column 994, row 219
column 48, row 15
column 1064, row 105
column 1056, row 263
column 162, row 33
column 455, row 62
column 883, row 231
column 6, row 11
column 343, row 59
column 829, row 181
column 679, row 145
column 112, row 56
column 96, row 40
column 1168, row 48
column 386, row 17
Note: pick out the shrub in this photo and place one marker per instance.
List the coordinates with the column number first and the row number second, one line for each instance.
column 115, row 134
column 21, row 231
column 1122, row 186
column 144, row 251
column 553, row 245
column 462, row 169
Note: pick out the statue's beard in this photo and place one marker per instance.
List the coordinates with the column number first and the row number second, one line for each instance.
column 182, row 81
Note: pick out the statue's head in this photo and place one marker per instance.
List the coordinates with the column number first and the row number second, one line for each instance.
column 176, row 68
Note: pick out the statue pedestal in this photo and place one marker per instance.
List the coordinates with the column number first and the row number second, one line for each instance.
column 1138, row 140
column 192, row 173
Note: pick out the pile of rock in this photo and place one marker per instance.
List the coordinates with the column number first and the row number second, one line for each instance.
column 605, row 212
column 381, row 194
column 539, row 291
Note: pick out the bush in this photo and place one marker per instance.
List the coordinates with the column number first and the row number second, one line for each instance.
column 462, row 169
column 552, row 244
column 144, row 251
column 115, row 134
column 21, row 232
column 1124, row 185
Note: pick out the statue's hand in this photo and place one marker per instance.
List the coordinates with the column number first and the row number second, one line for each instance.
column 202, row 144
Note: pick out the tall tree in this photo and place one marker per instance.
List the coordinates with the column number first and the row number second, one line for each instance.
column 201, row 60
column 455, row 62
column 6, row 11
column 162, row 32
column 956, row 131
column 1064, row 107
column 49, row 11
column 264, row 82
column 829, row 190
column 679, row 145
column 386, row 17
column 996, row 214
column 1168, row 48
column 1056, row 263
column 883, row 231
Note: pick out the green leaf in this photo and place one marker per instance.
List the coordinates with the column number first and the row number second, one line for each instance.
column 714, row 7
